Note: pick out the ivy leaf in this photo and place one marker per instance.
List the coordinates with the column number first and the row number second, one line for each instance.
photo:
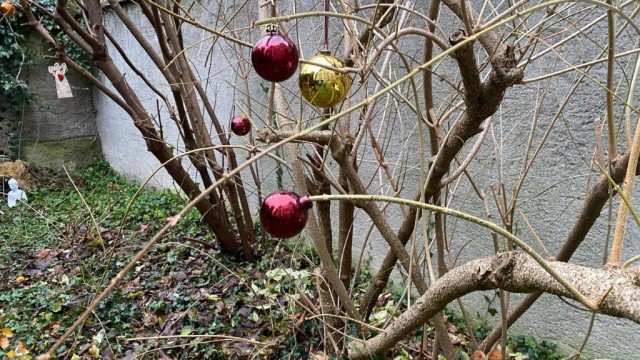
column 21, row 350
column 56, row 307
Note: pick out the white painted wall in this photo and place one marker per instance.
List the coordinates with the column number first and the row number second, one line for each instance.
column 550, row 198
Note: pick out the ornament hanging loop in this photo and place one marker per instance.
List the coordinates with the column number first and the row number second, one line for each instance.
column 272, row 28
column 326, row 26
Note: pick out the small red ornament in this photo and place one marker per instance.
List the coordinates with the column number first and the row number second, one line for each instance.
column 241, row 125
column 284, row 214
column 275, row 56
column 60, row 77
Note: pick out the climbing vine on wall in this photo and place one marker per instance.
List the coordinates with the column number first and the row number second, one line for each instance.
column 16, row 60
column 14, row 91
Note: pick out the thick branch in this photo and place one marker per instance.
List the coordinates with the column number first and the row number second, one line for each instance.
column 320, row 137
column 617, row 289
column 489, row 97
column 383, row 15
column 466, row 59
column 491, row 42
column 61, row 15
column 595, row 201
column 144, row 43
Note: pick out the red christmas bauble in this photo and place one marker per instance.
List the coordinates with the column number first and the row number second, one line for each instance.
column 275, row 57
column 241, row 125
column 284, row 214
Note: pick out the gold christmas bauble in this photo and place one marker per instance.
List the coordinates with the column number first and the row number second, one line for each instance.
column 323, row 87
column 7, row 8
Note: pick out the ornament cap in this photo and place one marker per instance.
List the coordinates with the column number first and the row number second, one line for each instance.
column 272, row 28
column 306, row 203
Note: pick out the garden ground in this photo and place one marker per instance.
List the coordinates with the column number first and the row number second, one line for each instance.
column 184, row 301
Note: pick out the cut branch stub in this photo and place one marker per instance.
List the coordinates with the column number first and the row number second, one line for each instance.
column 501, row 267
column 457, row 36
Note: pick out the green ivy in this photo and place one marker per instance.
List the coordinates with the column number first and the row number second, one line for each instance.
column 527, row 345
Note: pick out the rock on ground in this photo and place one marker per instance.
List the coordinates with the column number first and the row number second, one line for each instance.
column 18, row 170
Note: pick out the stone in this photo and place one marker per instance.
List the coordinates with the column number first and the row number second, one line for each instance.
column 18, row 170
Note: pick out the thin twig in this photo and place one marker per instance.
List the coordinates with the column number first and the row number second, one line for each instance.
column 484, row 223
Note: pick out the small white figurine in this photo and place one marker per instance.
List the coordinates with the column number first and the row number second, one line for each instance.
column 15, row 193
column 62, row 84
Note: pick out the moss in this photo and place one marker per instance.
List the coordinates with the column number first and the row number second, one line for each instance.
column 68, row 152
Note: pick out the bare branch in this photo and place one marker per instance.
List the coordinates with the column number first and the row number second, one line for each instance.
column 595, row 201
column 320, row 137
column 512, row 272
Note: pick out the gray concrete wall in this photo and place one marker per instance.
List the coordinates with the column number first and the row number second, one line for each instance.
column 53, row 132
column 550, row 198
column 7, row 123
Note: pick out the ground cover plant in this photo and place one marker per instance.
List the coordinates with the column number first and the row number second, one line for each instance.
column 484, row 144
column 185, row 301
column 54, row 259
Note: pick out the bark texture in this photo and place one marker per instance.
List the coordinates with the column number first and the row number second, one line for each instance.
column 594, row 202
column 616, row 290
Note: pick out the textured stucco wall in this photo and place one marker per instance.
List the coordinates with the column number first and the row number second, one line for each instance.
column 550, row 198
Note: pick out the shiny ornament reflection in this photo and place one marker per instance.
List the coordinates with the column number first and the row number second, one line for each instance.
column 283, row 214
column 275, row 57
column 322, row 87
column 241, row 125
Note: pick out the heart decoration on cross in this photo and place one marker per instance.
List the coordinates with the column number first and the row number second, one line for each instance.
column 63, row 89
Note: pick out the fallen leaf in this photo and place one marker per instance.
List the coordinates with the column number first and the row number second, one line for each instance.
column 4, row 342
column 479, row 355
column 11, row 354
column 21, row 279
column 94, row 351
column 143, row 228
column 495, row 354
column 7, row 332
column 44, row 253
column 21, row 350
column 318, row 356
column 54, row 330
